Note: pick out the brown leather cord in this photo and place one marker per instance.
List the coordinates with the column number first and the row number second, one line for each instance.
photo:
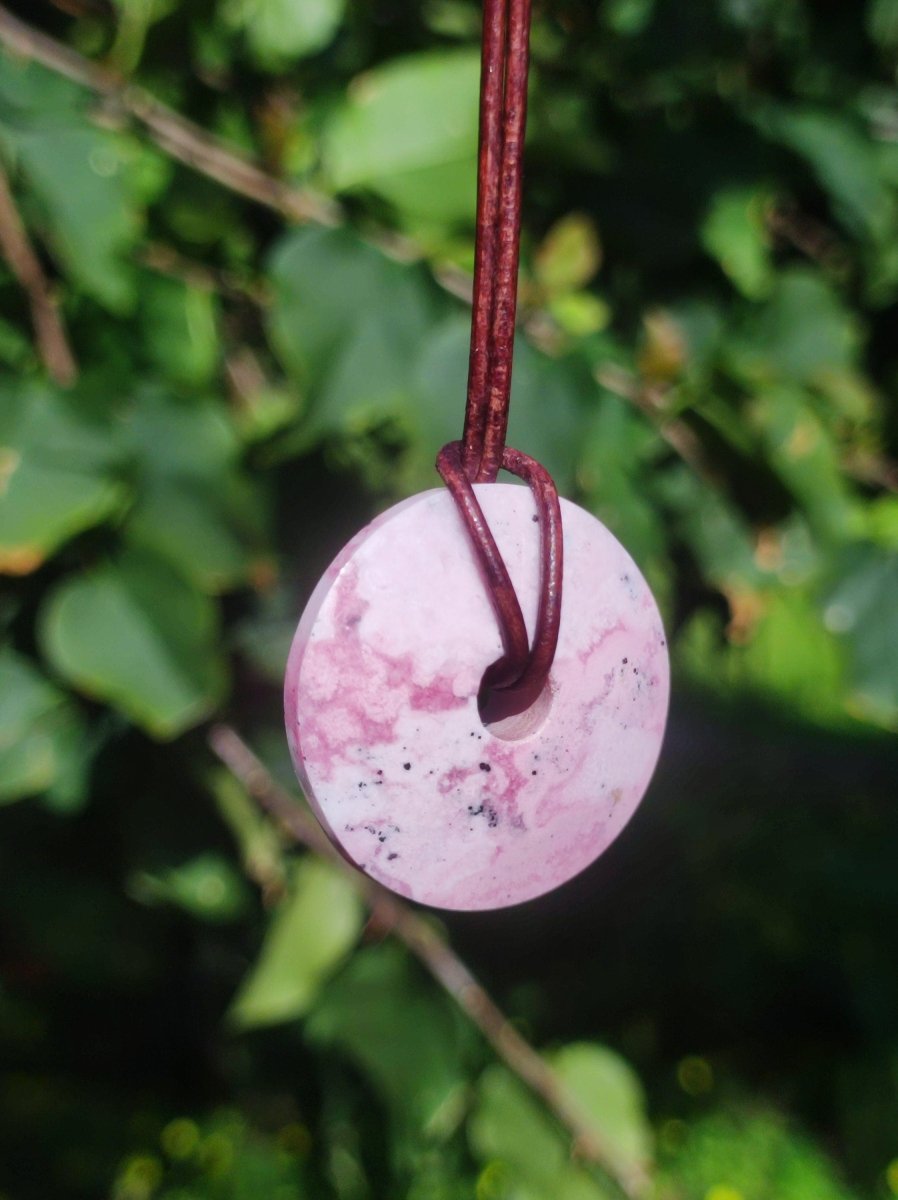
column 503, row 118
column 507, row 670
column 514, row 681
column 489, row 166
column 507, row 241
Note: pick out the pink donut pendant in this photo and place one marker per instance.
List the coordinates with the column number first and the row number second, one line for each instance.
column 382, row 717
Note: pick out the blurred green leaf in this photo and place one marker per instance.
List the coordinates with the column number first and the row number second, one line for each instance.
column 803, row 453
column 735, row 234
column 206, row 887
column 180, row 322
column 845, row 161
column 780, row 652
column 135, row 634
column 570, row 254
column 310, row 934
column 753, row 1155
column 280, row 31
column 609, row 1092
column 40, row 730
column 74, row 174
column 260, row 846
column 28, row 90
column 714, row 529
column 59, row 473
column 803, row 332
column 509, row 1127
column 193, row 505
column 404, row 1036
column 222, row 1156
column 201, row 530
column 882, row 22
column 861, row 611
column 327, row 285
column 408, row 130
column 618, row 447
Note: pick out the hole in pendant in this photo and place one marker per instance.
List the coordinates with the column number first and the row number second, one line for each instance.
column 511, row 715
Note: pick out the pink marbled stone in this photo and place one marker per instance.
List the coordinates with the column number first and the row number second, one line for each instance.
column 381, row 705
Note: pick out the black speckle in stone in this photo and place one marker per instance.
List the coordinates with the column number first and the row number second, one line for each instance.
column 391, row 856
column 485, row 767
column 406, row 766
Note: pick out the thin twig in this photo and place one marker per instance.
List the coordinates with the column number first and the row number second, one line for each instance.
column 166, row 260
column 433, row 952
column 675, row 432
column 179, row 137
column 49, row 331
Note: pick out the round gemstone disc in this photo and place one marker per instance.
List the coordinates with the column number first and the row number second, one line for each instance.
column 382, row 717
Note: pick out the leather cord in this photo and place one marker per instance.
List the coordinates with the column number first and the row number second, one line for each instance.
column 518, row 677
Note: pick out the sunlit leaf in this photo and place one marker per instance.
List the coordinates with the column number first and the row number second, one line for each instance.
column 206, row 887
column 780, row 652
column 609, row 1092
column 279, row 31
column 509, row 1126
column 803, row 452
column 311, row 932
column 409, row 131
column 861, row 611
column 570, row 254
column 751, row 1155
column 734, row 232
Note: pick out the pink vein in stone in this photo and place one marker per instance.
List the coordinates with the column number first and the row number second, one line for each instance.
column 353, row 681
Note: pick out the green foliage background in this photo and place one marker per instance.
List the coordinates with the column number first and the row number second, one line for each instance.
column 709, row 357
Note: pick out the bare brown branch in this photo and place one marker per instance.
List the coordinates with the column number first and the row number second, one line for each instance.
column 179, row 137
column 432, row 950
column 49, row 331
column 675, row 432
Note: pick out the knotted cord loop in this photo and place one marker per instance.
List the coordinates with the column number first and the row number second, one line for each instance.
column 518, row 677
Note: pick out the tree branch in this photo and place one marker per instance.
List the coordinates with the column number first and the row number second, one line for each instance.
column 49, row 332
column 179, row 137
column 436, row 955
